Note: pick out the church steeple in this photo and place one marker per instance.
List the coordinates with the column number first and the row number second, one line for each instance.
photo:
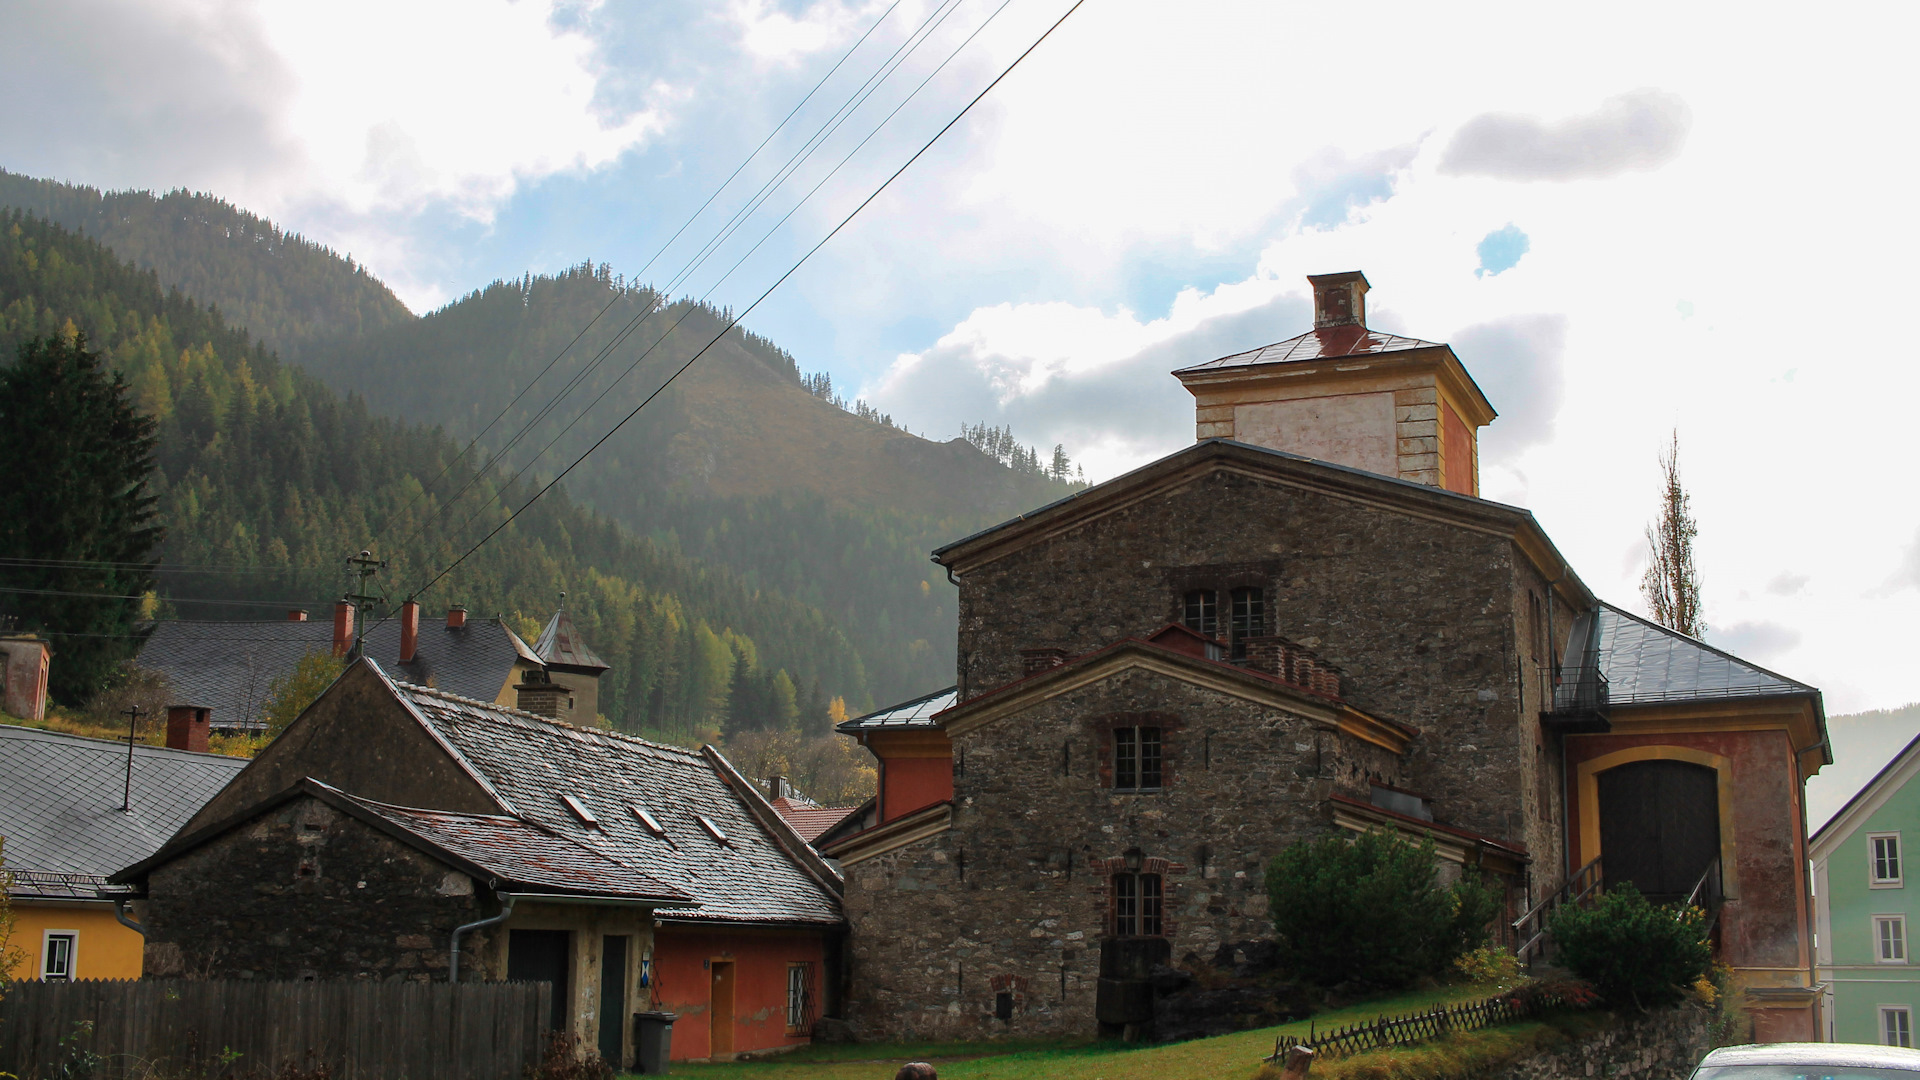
column 1343, row 393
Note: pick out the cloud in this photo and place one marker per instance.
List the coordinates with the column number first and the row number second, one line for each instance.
column 1787, row 583
column 1520, row 364
column 1333, row 185
column 1756, row 641
column 1633, row 132
column 1500, row 250
column 364, row 106
column 1907, row 574
column 1099, row 384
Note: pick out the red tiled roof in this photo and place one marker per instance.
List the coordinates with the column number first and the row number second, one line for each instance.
column 811, row 821
column 1330, row 343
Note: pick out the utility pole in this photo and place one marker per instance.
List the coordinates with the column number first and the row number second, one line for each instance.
column 366, row 566
column 126, row 801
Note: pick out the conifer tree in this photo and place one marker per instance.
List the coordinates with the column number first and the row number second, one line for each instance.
column 1671, row 584
column 78, row 527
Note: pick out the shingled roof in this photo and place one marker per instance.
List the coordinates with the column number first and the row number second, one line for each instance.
column 1645, row 663
column 712, row 846
column 229, row 666
column 561, row 645
column 60, row 799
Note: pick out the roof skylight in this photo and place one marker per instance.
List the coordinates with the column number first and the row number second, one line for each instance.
column 580, row 811
column 713, row 830
column 652, row 823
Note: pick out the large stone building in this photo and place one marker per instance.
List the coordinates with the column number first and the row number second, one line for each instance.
column 1306, row 621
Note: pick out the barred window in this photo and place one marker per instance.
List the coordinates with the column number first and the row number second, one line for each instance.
column 1249, row 618
column 1202, row 612
column 1136, row 905
column 799, row 997
column 1136, row 758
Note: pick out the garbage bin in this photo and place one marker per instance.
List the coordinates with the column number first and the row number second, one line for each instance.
column 653, row 1041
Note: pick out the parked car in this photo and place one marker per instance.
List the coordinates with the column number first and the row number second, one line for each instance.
column 1810, row 1061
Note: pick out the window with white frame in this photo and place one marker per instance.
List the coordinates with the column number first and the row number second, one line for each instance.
column 57, row 955
column 1896, row 1025
column 1890, row 938
column 799, row 996
column 1883, row 854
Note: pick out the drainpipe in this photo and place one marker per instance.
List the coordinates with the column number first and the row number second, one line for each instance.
column 120, row 913
column 453, row 950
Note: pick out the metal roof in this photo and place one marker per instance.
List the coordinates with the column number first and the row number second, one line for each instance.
column 60, row 799
column 515, row 851
column 229, row 666
column 908, row 714
column 561, row 643
column 1329, row 343
column 1645, row 663
column 530, row 762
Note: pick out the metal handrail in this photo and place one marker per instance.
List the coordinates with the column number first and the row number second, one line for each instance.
column 1705, row 894
column 1581, row 885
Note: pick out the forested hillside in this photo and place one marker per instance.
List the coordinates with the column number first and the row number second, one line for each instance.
column 284, row 290
column 267, row 478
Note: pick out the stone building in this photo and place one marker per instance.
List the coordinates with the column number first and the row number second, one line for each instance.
column 1306, row 621
column 393, row 827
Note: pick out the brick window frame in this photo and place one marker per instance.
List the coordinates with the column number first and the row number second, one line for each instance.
column 1171, row 727
column 1009, row 995
column 1221, row 580
column 1104, row 872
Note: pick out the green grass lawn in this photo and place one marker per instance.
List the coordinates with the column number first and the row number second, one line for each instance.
column 1225, row 1057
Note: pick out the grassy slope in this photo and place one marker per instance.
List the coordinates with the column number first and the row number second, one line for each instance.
column 1220, row 1058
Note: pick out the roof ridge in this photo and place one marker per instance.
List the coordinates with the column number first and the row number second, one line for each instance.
column 550, row 721
column 118, row 746
column 1716, row 650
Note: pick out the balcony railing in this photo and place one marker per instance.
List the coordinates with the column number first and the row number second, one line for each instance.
column 1574, row 700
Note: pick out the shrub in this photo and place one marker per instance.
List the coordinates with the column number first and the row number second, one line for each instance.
column 1369, row 911
column 1495, row 965
column 1632, row 951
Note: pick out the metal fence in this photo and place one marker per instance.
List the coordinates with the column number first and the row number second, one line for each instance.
column 233, row 1029
column 1433, row 1024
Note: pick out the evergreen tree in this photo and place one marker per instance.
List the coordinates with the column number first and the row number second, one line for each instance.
column 1671, row 585
column 78, row 527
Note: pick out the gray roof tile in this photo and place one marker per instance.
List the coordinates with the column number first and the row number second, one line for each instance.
column 561, row 643
column 60, row 798
column 1645, row 662
column 908, row 714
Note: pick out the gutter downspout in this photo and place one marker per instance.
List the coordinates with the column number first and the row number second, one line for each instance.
column 120, row 914
column 453, row 950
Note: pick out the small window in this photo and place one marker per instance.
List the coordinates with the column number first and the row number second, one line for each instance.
column 1201, row 612
column 652, row 823
column 1136, row 758
column 1249, row 618
column 1890, row 938
column 580, row 811
column 1003, row 1005
column 713, row 830
column 1136, row 905
column 57, row 958
column 799, row 997
column 1896, row 1025
column 1885, row 855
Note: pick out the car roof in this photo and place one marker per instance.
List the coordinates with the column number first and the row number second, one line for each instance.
column 1855, row 1055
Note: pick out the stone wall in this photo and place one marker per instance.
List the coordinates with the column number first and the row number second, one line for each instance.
column 1418, row 612
column 307, row 892
column 1014, row 897
column 1663, row 1045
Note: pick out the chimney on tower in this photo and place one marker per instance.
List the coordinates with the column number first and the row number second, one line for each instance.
column 1339, row 299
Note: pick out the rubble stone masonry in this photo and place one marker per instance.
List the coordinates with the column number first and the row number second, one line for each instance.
column 1015, row 897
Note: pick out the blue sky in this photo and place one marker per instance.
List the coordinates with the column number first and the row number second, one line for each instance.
column 1623, row 231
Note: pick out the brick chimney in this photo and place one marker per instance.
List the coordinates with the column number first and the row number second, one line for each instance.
column 23, row 675
column 188, row 727
column 297, row 615
column 342, row 627
column 1044, row 658
column 456, row 617
column 409, row 631
column 540, row 695
column 1339, row 299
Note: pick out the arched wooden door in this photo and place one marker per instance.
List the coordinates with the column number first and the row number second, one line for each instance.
column 1659, row 825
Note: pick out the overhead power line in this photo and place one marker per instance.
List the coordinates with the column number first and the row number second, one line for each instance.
column 735, row 321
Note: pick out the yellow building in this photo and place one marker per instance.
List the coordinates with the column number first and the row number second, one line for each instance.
column 74, row 810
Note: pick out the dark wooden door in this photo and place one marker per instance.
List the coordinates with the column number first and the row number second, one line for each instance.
column 720, row 1013
column 613, row 998
column 1659, row 826
column 541, row 956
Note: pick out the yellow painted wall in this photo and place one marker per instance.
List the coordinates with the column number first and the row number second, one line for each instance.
column 103, row 950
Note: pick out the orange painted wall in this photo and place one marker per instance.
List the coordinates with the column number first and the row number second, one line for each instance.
column 103, row 950
column 683, row 985
column 1766, row 926
column 910, row 783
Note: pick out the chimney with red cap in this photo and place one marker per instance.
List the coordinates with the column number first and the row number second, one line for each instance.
column 342, row 627
column 409, row 631
column 456, row 617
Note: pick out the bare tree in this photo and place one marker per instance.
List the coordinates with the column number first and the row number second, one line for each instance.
column 1671, row 585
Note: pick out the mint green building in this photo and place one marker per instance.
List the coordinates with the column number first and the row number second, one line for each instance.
column 1864, row 908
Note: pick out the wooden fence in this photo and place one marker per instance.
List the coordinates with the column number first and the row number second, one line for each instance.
column 152, row 1029
column 1436, row 1022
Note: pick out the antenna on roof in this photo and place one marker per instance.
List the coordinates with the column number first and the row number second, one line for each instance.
column 126, row 801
